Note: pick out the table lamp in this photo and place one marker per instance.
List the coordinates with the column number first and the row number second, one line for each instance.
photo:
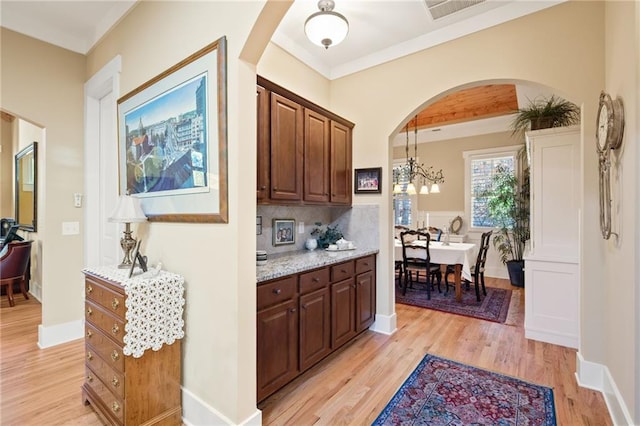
column 127, row 211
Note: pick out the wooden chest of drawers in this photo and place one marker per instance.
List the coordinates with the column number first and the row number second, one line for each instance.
column 125, row 390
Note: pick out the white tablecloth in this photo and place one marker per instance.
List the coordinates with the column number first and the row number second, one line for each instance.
column 455, row 253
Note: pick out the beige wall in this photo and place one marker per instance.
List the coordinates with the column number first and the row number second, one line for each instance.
column 44, row 84
column 6, row 168
column 621, row 302
column 447, row 155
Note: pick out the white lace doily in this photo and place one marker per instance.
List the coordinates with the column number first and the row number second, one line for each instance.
column 154, row 304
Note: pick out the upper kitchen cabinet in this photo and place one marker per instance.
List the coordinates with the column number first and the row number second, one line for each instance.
column 304, row 151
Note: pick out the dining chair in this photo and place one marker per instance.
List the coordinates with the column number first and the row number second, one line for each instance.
column 416, row 259
column 398, row 229
column 477, row 270
column 14, row 267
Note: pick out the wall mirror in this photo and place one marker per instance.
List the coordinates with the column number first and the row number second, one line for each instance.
column 26, row 180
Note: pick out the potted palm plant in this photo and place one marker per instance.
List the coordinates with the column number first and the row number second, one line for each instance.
column 544, row 113
column 508, row 207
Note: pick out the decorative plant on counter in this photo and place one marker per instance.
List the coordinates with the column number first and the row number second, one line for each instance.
column 326, row 236
column 543, row 113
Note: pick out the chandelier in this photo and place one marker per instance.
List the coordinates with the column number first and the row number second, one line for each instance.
column 416, row 171
column 326, row 27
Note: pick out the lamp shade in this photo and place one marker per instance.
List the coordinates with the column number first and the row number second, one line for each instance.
column 411, row 189
column 397, row 188
column 435, row 188
column 326, row 28
column 128, row 210
column 424, row 190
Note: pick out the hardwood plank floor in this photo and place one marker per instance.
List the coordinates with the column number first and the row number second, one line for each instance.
column 42, row 387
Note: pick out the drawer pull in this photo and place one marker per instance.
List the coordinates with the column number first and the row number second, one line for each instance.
column 89, row 289
column 89, row 378
column 277, row 291
column 89, row 356
column 115, row 355
column 292, row 310
column 115, row 329
column 89, row 311
column 89, row 334
column 115, row 382
column 115, row 407
column 115, row 303
column 315, row 280
column 366, row 263
column 343, row 271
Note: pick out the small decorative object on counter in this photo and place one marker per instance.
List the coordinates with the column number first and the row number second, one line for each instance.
column 311, row 244
column 326, row 236
column 261, row 257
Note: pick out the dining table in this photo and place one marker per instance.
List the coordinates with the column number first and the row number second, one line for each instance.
column 459, row 255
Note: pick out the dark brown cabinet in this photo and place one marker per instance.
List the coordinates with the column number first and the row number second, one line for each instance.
column 304, row 151
column 334, row 304
column 277, row 328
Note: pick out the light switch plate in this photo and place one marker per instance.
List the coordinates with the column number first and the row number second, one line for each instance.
column 70, row 228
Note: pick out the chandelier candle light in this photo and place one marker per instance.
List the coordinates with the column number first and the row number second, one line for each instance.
column 127, row 211
column 326, row 28
column 417, row 171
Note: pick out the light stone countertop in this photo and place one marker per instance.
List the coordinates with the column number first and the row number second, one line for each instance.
column 283, row 264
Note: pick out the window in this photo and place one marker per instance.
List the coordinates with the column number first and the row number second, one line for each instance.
column 402, row 202
column 479, row 170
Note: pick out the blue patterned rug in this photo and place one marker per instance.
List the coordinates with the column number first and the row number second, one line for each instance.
column 492, row 307
column 444, row 392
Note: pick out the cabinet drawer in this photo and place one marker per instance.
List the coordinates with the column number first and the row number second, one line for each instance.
column 365, row 264
column 99, row 369
column 277, row 291
column 111, row 325
column 104, row 347
column 110, row 300
column 341, row 271
column 114, row 404
column 314, row 280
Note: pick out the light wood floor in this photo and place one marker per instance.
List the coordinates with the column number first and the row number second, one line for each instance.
column 42, row 387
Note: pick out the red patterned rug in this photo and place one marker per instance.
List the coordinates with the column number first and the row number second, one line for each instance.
column 445, row 392
column 492, row 307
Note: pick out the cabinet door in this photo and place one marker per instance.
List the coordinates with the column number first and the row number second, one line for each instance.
column 263, row 147
column 277, row 347
column 316, row 157
column 365, row 300
column 340, row 163
column 343, row 319
column 315, row 327
column 286, row 149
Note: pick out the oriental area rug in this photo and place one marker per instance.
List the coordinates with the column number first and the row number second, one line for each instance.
column 492, row 307
column 445, row 392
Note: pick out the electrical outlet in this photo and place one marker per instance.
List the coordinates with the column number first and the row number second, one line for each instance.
column 77, row 200
column 70, row 228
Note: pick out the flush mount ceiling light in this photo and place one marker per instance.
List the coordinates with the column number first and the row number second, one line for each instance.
column 326, row 28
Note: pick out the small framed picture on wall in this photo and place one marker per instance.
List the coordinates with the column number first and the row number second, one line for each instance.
column 368, row 181
column 284, row 231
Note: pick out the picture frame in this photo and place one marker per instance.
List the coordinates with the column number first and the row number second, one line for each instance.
column 138, row 259
column 172, row 134
column 368, row 181
column 284, row 231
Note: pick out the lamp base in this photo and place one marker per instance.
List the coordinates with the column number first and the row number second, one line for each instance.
column 127, row 243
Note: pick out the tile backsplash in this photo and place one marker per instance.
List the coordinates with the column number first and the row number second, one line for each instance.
column 358, row 224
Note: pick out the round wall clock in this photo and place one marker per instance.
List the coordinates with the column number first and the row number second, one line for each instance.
column 610, row 122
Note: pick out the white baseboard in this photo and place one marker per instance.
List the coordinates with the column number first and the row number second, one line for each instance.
column 35, row 289
column 60, row 333
column 596, row 376
column 550, row 337
column 197, row 412
column 385, row 324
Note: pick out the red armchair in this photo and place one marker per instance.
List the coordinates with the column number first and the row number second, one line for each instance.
column 14, row 267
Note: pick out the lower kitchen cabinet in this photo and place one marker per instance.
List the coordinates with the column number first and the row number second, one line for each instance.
column 302, row 318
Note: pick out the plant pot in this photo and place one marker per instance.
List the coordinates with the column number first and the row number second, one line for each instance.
column 516, row 272
column 541, row 123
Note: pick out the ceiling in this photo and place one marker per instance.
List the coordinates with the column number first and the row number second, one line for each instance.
column 379, row 30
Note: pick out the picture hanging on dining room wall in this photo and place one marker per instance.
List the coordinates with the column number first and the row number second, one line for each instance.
column 172, row 133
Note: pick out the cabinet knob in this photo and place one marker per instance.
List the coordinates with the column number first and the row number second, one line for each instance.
column 89, row 311
column 89, row 378
column 115, row 382
column 292, row 310
column 89, row 334
column 275, row 189
column 304, row 306
column 89, row 289
column 262, row 188
column 115, row 329
column 89, row 356
column 315, row 279
column 343, row 271
column 277, row 291
column 115, row 355
column 115, row 303
column 115, row 407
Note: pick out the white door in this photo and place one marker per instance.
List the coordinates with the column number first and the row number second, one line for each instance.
column 102, row 238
